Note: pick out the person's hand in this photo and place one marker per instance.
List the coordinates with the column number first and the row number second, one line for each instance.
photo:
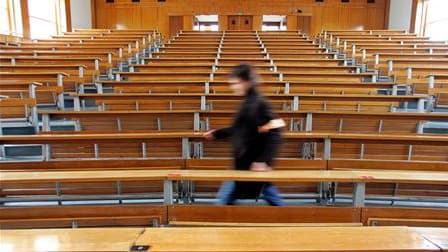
column 260, row 167
column 272, row 124
column 209, row 135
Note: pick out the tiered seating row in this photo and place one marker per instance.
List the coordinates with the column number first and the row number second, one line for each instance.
column 405, row 57
column 62, row 64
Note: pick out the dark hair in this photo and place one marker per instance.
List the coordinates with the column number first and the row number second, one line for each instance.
column 245, row 72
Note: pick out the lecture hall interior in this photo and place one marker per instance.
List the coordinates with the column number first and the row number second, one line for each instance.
column 108, row 110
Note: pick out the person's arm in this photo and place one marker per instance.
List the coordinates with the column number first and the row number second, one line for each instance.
column 272, row 124
column 223, row 133
column 219, row 133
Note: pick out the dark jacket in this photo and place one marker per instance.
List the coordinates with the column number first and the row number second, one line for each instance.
column 248, row 144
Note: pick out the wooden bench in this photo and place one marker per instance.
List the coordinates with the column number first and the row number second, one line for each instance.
column 394, row 191
column 82, row 216
column 18, row 109
column 156, row 101
column 192, row 59
column 389, row 66
column 301, row 120
column 90, row 62
column 170, row 145
column 180, row 67
column 121, row 49
column 155, row 86
column 56, row 78
column 310, row 87
column 359, row 178
column 163, row 76
column 77, row 73
column 117, row 190
column 105, row 56
column 237, row 224
column 203, row 189
column 265, row 214
column 414, row 217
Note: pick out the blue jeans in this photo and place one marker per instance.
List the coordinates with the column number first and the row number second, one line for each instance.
column 226, row 194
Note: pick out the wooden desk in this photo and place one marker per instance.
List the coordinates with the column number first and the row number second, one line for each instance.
column 347, row 239
column 358, row 178
column 285, row 239
column 88, row 239
column 438, row 236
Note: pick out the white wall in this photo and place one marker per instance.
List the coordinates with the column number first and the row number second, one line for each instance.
column 81, row 14
column 400, row 14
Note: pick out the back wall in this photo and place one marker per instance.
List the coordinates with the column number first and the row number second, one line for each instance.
column 329, row 14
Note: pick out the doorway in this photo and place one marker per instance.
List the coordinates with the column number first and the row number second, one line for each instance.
column 176, row 24
column 304, row 24
column 240, row 23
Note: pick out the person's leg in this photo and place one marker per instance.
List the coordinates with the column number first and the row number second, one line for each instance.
column 226, row 193
column 272, row 195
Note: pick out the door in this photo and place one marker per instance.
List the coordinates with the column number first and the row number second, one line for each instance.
column 234, row 23
column 239, row 23
column 176, row 24
column 246, row 23
column 304, row 24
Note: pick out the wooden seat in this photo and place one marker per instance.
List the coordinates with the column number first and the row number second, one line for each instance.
column 414, row 217
column 77, row 73
column 17, row 109
column 169, row 145
column 89, row 62
column 201, row 188
column 394, row 190
column 72, row 189
column 267, row 215
column 83, row 216
column 233, row 224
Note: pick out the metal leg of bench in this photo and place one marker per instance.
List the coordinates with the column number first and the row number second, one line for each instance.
column 333, row 192
column 324, row 193
column 58, row 192
column 319, row 193
column 359, row 194
column 168, row 192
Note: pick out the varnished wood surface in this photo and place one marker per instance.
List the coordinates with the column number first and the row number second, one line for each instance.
column 438, row 236
column 95, row 239
column 285, row 239
column 246, row 224
column 218, row 239
column 47, row 138
column 223, row 175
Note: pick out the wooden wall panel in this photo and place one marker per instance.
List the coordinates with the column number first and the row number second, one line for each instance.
column 188, row 22
column 331, row 14
column 128, row 17
column 357, row 18
column 223, row 22
column 330, row 18
column 149, row 17
column 374, row 19
column 257, row 20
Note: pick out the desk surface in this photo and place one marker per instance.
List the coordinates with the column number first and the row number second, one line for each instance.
column 218, row 239
column 89, row 239
column 286, row 239
column 223, row 175
column 438, row 236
